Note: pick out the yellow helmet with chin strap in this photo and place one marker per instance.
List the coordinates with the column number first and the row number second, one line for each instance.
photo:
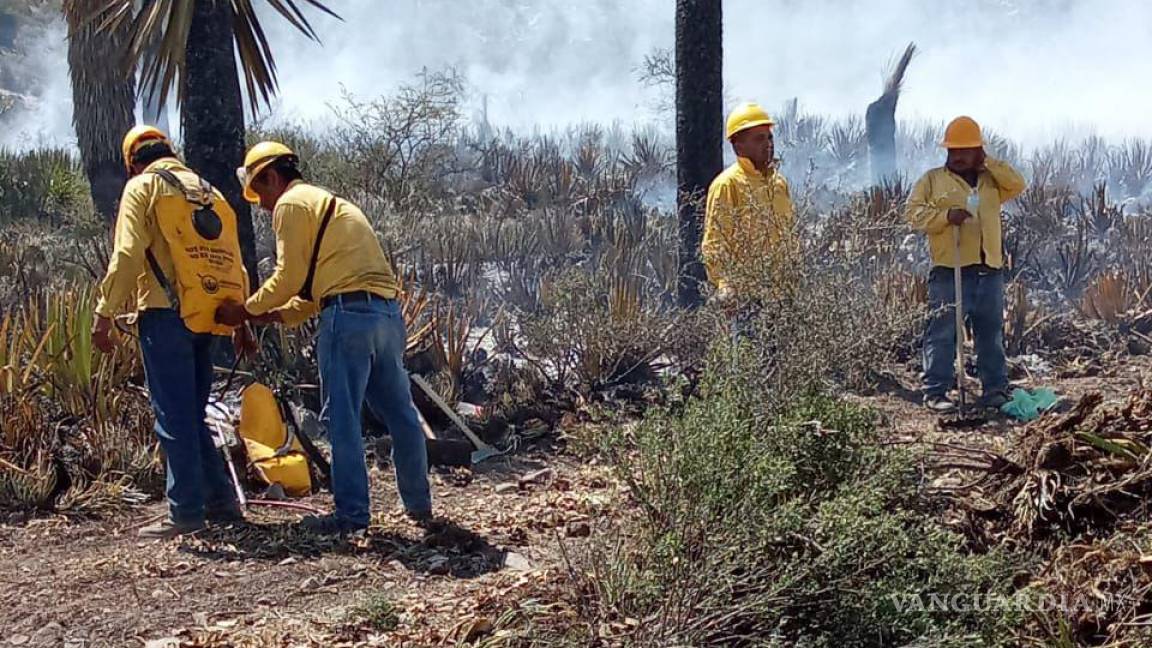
column 136, row 138
column 255, row 161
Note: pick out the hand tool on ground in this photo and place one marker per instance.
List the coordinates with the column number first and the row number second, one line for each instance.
column 483, row 450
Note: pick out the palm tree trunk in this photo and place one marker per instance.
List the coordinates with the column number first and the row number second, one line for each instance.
column 103, row 99
column 880, row 123
column 699, row 125
column 212, row 114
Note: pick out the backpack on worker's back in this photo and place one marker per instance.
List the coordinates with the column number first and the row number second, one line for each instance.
column 200, row 228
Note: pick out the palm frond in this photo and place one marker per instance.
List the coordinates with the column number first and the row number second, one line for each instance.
column 159, row 41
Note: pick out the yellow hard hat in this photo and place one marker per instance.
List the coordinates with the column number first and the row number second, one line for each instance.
column 255, row 161
column 962, row 132
column 138, row 136
column 745, row 116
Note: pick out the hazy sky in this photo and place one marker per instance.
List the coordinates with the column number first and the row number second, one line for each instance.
column 1031, row 69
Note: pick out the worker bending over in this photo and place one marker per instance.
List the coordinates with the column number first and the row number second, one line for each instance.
column 328, row 260
column 176, row 256
column 749, row 219
column 966, row 194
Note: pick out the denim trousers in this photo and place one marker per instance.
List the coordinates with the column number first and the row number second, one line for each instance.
column 360, row 349
column 983, row 290
column 178, row 369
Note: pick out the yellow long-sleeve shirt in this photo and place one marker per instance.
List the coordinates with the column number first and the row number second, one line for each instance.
column 981, row 238
column 747, row 218
column 128, row 274
column 351, row 258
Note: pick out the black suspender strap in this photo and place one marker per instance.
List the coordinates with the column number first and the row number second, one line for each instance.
column 306, row 291
column 169, row 291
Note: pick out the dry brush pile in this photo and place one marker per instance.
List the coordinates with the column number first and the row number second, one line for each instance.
column 1073, row 490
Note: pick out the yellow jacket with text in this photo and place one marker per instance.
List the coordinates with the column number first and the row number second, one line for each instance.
column 351, row 258
column 749, row 218
column 981, row 238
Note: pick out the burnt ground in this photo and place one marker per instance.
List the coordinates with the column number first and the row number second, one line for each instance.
column 899, row 401
column 509, row 528
column 505, row 532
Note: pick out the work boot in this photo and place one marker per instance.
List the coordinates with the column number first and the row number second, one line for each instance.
column 995, row 399
column 330, row 525
column 225, row 516
column 939, row 404
column 167, row 529
column 422, row 519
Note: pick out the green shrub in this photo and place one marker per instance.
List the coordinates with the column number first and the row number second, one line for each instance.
column 45, row 184
column 791, row 530
column 376, row 613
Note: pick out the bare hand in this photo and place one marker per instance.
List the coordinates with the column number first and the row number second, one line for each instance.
column 102, row 334
column 958, row 216
column 231, row 313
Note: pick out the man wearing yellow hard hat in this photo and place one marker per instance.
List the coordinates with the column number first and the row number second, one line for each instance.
column 749, row 217
column 329, row 261
column 165, row 210
column 958, row 206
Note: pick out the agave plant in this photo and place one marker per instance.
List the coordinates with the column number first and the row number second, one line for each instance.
column 48, row 343
column 1109, row 297
column 20, row 355
column 453, row 345
column 1130, row 166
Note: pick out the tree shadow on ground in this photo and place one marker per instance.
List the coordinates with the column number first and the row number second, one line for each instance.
column 444, row 549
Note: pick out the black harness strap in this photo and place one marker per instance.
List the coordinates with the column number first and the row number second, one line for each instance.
column 306, row 291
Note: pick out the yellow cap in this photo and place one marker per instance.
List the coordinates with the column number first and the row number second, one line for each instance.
column 745, row 116
column 138, row 136
column 256, row 160
column 962, row 132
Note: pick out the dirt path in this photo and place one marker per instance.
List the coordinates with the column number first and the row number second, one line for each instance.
column 268, row 584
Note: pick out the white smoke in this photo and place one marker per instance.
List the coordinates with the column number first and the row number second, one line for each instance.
column 43, row 115
column 1032, row 70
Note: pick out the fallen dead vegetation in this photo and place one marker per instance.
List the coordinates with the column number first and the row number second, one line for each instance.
column 1073, row 491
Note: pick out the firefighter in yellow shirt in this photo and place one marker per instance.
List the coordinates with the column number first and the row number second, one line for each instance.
column 329, row 261
column 144, row 277
column 965, row 195
column 749, row 217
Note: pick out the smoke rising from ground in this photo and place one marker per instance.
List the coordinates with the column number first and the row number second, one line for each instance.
column 1032, row 70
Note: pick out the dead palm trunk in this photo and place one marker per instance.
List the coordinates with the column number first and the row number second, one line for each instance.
column 699, row 124
column 880, row 122
column 103, row 100
column 212, row 114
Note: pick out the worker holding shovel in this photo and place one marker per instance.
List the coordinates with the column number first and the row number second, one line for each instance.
column 958, row 206
column 749, row 217
column 329, row 261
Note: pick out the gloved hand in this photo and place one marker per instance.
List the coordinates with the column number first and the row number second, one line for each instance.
column 232, row 313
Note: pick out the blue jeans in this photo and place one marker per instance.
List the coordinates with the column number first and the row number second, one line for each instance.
column 178, row 367
column 984, row 313
column 360, row 348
